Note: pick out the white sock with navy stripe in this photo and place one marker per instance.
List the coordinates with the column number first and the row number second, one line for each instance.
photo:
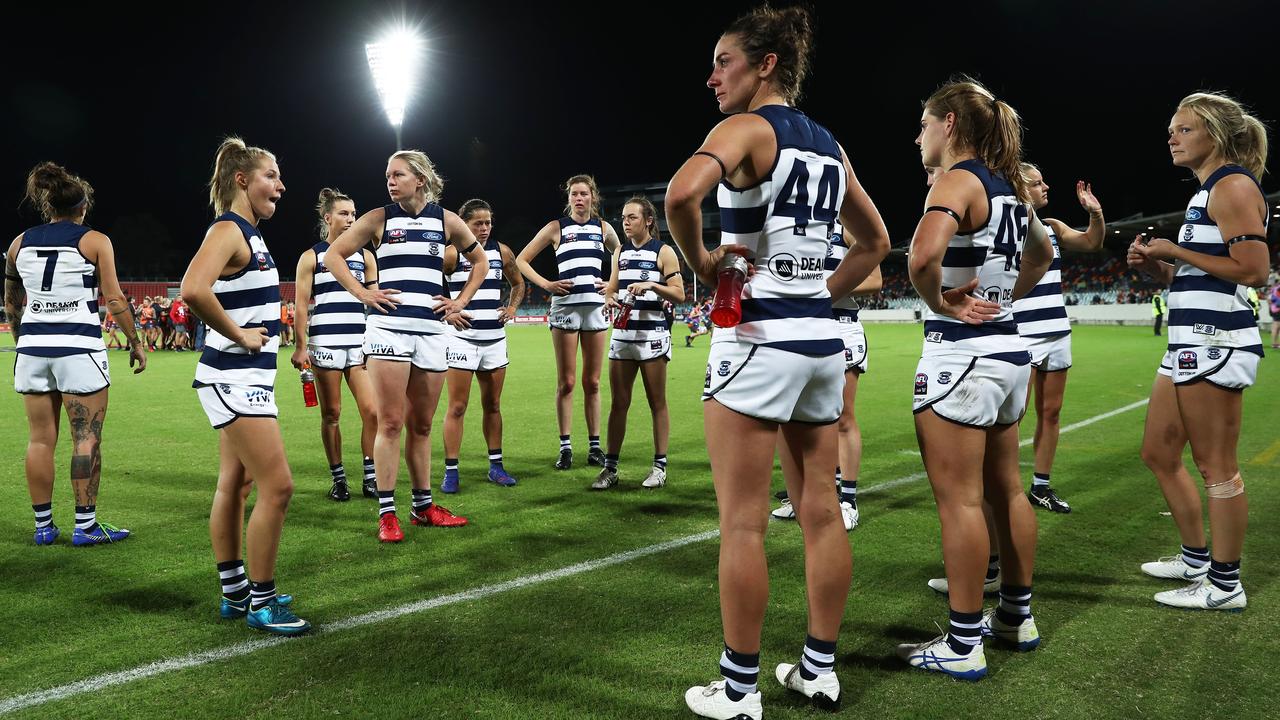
column 1225, row 575
column 495, row 458
column 421, row 500
column 819, row 657
column 44, row 515
column 740, row 671
column 964, row 632
column 86, row 518
column 1195, row 557
column 235, row 586
column 386, row 502
column 368, row 470
column 261, row 594
column 338, row 472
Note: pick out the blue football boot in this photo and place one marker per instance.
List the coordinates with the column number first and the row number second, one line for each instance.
column 100, row 534
column 277, row 619
column 499, row 476
column 47, row 534
column 233, row 609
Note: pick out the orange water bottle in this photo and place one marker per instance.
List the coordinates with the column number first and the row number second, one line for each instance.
column 308, row 378
column 731, row 275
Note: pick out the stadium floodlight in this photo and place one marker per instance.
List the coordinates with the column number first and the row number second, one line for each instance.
column 394, row 61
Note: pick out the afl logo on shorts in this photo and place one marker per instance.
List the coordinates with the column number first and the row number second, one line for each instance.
column 944, row 378
column 655, row 345
column 1187, row 360
column 922, row 384
column 724, row 368
column 1214, row 354
column 848, row 355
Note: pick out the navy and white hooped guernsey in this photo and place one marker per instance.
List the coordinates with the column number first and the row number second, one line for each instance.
column 990, row 254
column 338, row 318
column 580, row 257
column 1043, row 312
column 786, row 220
column 640, row 264
column 411, row 260
column 1203, row 309
column 845, row 307
column 251, row 299
column 61, row 314
column 487, row 302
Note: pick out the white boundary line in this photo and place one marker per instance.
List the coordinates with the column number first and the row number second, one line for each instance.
column 100, row 682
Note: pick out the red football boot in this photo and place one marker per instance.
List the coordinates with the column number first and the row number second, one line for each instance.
column 437, row 516
column 389, row 528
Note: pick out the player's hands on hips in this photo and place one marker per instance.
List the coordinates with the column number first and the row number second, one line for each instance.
column 383, row 301
column 559, row 287
column 958, row 303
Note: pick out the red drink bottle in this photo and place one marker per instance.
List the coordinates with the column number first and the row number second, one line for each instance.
column 731, row 275
column 626, row 301
column 309, row 386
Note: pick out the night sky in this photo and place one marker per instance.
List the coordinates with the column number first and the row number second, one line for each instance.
column 517, row 97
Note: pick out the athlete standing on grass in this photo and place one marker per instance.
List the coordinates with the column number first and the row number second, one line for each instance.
column 649, row 271
column 332, row 340
column 480, row 350
column 783, row 182
column 232, row 284
column 845, row 310
column 406, row 332
column 971, row 383
column 582, row 243
column 1042, row 321
column 51, row 279
column 1214, row 344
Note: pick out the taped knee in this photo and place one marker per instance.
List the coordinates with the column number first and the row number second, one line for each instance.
column 1226, row 488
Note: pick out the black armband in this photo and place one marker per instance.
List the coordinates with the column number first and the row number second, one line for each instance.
column 669, row 276
column 471, row 247
column 723, row 173
column 939, row 208
column 1245, row 238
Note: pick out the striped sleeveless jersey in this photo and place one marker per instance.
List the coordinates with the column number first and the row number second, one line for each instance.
column 487, row 301
column 61, row 314
column 251, row 298
column 338, row 318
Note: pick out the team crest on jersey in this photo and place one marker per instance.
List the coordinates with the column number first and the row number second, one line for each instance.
column 434, row 249
column 1187, row 360
column 922, row 384
column 933, row 337
column 1188, row 233
column 1193, row 215
column 1214, row 354
column 724, row 368
column 944, row 378
column 1204, row 329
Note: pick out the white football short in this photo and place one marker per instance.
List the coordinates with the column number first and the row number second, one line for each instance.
column 1050, row 354
column 79, row 374
column 775, row 385
column 577, row 318
column 224, row 403
column 476, row 355
column 335, row 358
column 424, row 351
column 1230, row 368
column 974, row 391
column 855, row 345
column 641, row 350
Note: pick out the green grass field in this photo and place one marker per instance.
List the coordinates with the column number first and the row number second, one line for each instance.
column 622, row 640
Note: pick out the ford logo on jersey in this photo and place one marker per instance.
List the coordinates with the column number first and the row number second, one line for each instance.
column 1204, row 329
column 1187, row 360
column 1193, row 215
column 433, row 236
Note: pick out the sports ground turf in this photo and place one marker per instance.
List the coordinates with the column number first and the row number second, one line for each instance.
column 621, row 639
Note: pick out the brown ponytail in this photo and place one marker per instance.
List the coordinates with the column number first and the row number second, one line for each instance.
column 56, row 193
column 985, row 125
